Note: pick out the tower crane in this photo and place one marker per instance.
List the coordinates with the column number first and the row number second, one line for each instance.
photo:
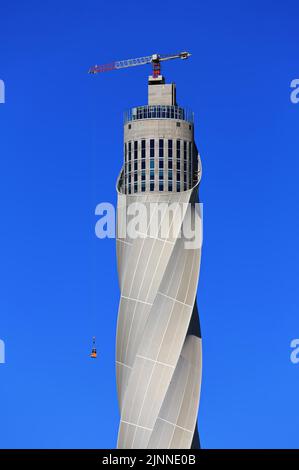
column 154, row 59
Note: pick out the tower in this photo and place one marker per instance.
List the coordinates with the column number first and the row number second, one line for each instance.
column 158, row 346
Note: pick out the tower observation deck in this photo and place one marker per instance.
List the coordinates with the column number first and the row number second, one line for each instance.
column 159, row 149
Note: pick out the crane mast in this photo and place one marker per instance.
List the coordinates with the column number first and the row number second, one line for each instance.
column 154, row 59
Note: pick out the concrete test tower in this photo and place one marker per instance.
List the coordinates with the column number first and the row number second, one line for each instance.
column 158, row 348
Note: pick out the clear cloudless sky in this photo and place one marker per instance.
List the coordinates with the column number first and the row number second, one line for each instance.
column 61, row 151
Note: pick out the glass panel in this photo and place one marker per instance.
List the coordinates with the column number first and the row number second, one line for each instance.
column 161, row 148
column 178, row 148
column 185, row 156
column 170, row 149
column 143, row 149
column 178, row 157
column 152, row 148
column 129, row 151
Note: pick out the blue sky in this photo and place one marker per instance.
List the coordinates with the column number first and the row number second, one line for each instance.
column 61, row 151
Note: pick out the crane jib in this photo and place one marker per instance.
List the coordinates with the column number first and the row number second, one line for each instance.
column 155, row 59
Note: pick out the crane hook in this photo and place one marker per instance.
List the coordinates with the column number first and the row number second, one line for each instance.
column 93, row 354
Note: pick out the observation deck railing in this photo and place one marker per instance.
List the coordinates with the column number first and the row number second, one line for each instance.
column 158, row 112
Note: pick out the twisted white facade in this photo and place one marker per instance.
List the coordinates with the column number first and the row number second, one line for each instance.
column 158, row 353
